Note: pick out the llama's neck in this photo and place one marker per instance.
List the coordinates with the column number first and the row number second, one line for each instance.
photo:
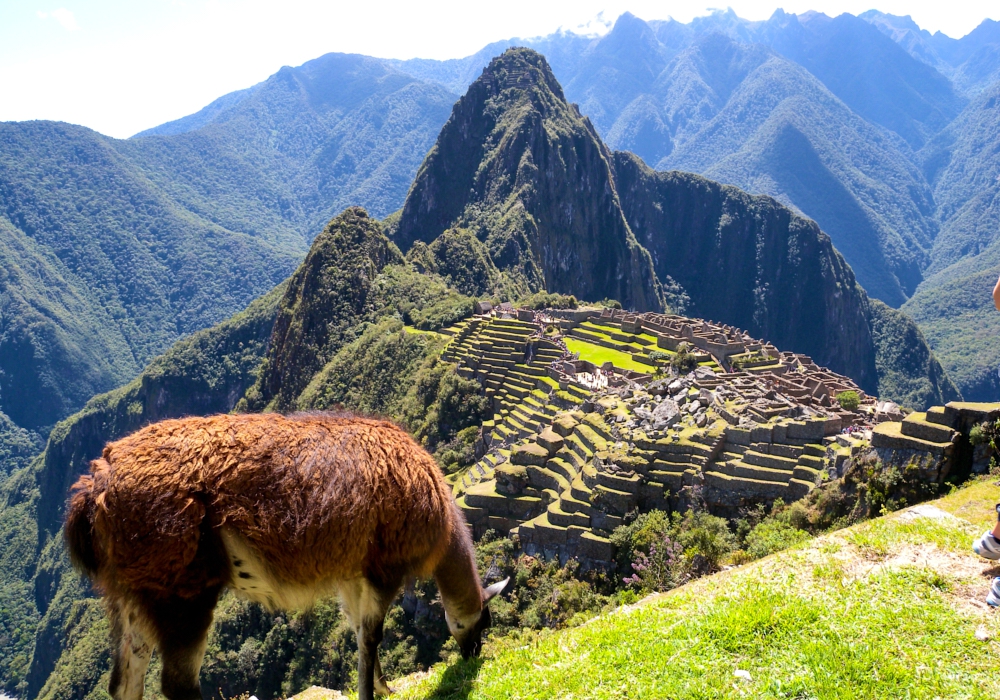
column 457, row 578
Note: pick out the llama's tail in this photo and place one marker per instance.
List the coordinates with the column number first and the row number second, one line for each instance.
column 79, row 529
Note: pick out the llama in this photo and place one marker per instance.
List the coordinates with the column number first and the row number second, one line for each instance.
column 281, row 510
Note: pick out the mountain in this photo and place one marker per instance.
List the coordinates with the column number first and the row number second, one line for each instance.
column 750, row 262
column 777, row 130
column 972, row 62
column 772, row 108
column 522, row 170
column 953, row 304
column 113, row 249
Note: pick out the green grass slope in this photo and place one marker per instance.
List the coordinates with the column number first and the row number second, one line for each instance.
column 888, row 608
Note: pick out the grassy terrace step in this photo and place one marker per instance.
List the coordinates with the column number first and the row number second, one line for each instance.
column 812, row 462
column 618, row 502
column 890, row 435
column 807, row 474
column 916, row 425
column 541, row 531
column 576, row 445
column 672, row 479
column 577, row 390
column 936, row 414
column 561, row 466
column 815, row 450
column 590, row 438
column 770, row 461
column 580, row 491
column 627, row 484
column 748, row 487
column 543, row 478
column 558, row 516
column 752, row 471
column 514, row 390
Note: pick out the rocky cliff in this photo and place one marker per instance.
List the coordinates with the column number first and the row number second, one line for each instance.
column 751, row 262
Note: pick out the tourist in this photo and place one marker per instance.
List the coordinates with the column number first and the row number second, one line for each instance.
column 988, row 547
column 996, row 295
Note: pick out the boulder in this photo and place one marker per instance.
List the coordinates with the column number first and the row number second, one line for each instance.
column 550, row 440
column 511, row 479
column 531, row 454
column 564, row 423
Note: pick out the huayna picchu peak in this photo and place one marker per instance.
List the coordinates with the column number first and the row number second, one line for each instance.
column 520, row 168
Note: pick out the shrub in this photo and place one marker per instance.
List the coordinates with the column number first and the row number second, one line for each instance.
column 849, row 400
column 659, row 356
column 684, row 360
column 772, row 536
column 706, row 539
column 660, row 570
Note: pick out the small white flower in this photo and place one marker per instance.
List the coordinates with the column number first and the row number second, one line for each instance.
column 740, row 673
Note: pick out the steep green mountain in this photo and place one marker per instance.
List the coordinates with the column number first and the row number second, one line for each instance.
column 301, row 146
column 113, row 249
column 522, row 170
column 953, row 305
column 907, row 369
column 103, row 269
column 710, row 97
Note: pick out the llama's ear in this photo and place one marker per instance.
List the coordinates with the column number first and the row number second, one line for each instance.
column 494, row 589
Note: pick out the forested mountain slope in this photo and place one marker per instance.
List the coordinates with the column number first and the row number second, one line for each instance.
column 113, row 249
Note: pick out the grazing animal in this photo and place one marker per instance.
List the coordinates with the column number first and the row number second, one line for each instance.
column 283, row 511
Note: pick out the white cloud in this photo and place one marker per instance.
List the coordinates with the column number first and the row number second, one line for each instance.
column 63, row 17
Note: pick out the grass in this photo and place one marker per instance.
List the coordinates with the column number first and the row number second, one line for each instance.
column 417, row 331
column 886, row 609
column 599, row 355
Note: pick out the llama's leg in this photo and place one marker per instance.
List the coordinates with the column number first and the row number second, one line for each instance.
column 182, row 626
column 366, row 606
column 130, row 651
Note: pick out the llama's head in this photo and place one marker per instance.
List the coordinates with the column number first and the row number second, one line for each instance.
column 468, row 632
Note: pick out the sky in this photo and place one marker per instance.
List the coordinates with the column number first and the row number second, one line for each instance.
column 121, row 66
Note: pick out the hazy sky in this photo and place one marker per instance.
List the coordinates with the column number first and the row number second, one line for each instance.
column 120, row 66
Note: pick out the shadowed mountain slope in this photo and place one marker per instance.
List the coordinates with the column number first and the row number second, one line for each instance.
column 751, row 262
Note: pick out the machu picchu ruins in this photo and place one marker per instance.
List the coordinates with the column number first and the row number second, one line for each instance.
column 601, row 413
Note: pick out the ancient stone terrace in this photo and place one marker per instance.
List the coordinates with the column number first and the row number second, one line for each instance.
column 592, row 422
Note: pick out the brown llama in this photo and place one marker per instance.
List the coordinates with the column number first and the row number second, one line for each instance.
column 283, row 511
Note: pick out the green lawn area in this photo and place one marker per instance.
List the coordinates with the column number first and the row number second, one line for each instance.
column 417, row 331
column 599, row 355
column 886, row 609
